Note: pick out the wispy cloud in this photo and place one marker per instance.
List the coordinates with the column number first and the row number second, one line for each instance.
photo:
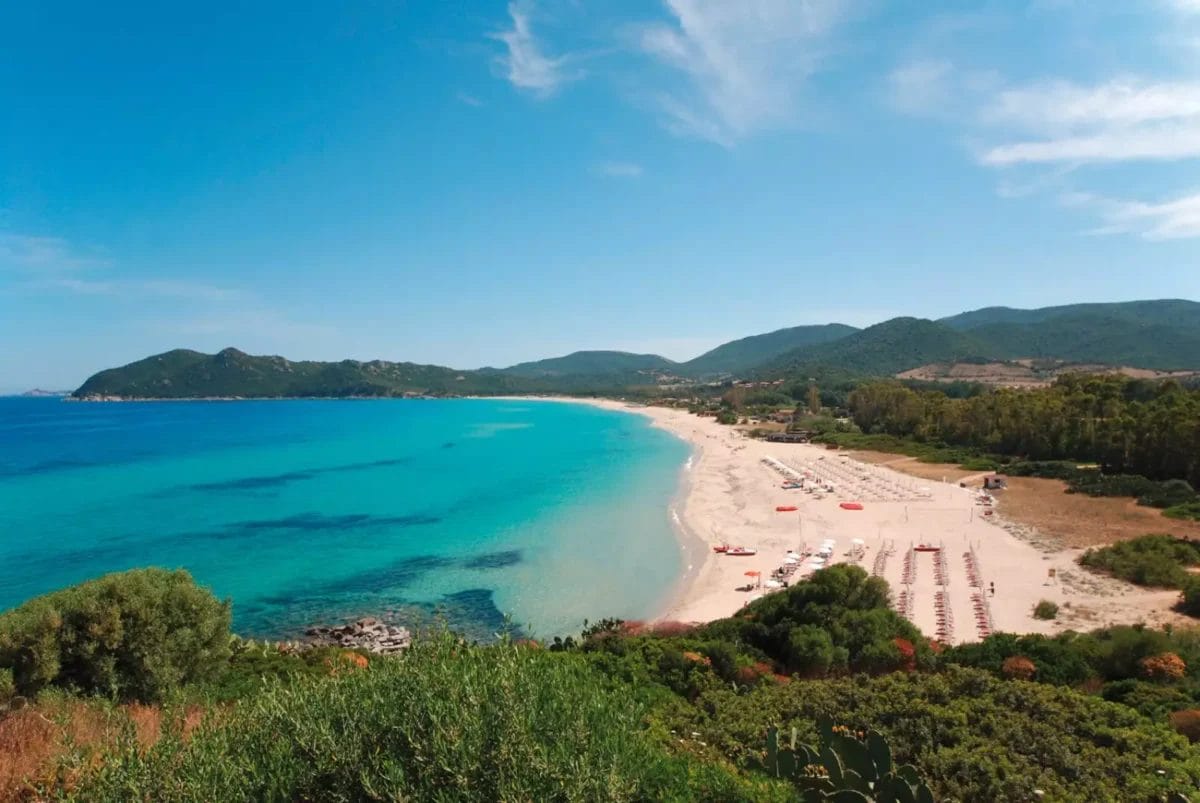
column 1120, row 120
column 742, row 63
column 468, row 100
column 525, row 64
column 618, row 169
column 1175, row 219
column 160, row 288
column 938, row 88
column 42, row 254
column 921, row 87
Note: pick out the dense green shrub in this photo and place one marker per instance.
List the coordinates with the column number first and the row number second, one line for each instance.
column 972, row 736
column 7, row 687
column 1189, row 600
column 1152, row 560
column 1189, row 511
column 134, row 635
column 1045, row 610
column 836, row 621
column 446, row 722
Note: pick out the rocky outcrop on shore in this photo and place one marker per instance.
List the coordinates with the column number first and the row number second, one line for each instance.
column 368, row 634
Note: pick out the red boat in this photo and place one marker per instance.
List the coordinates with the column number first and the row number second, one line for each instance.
column 852, row 506
column 721, row 548
column 740, row 551
column 927, row 548
column 786, row 509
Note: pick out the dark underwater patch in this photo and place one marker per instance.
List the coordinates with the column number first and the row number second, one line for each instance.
column 263, row 481
column 494, row 560
column 315, row 522
column 254, row 483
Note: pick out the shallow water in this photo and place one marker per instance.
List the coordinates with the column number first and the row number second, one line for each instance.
column 317, row 511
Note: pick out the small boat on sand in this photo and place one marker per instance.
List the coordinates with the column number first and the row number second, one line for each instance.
column 719, row 548
column 786, row 509
column 740, row 551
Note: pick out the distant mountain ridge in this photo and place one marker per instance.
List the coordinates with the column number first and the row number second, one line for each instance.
column 592, row 363
column 739, row 355
column 1160, row 335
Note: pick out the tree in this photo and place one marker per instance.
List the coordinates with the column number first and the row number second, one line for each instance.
column 814, row 399
column 132, row 635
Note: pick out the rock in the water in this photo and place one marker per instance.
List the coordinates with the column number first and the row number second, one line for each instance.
column 367, row 634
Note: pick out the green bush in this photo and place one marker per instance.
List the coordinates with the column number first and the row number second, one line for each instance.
column 134, row 635
column 1045, row 610
column 837, row 620
column 1189, row 511
column 8, row 689
column 980, row 464
column 447, row 721
column 1152, row 560
column 971, row 736
column 1189, row 600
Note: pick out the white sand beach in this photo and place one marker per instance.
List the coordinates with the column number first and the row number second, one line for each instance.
column 730, row 496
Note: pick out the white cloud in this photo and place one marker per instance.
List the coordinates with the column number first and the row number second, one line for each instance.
column 43, row 254
column 1063, row 106
column 1163, row 143
column 1175, row 219
column 742, row 63
column 922, row 87
column 618, row 169
column 159, row 288
column 1123, row 119
column 525, row 64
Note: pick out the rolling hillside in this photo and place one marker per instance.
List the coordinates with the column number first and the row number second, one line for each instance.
column 753, row 351
column 189, row 374
column 1175, row 313
column 883, row 350
column 1160, row 335
column 593, row 363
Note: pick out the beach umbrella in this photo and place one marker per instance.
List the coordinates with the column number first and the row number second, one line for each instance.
column 753, row 574
column 791, row 561
column 858, row 542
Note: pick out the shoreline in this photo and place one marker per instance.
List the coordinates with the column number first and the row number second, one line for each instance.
column 729, row 491
column 729, row 494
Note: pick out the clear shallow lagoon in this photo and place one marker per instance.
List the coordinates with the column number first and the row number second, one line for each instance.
column 311, row 511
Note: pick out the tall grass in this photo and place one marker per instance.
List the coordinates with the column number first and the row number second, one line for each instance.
column 446, row 722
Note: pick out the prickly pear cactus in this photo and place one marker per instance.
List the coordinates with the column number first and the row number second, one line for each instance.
column 845, row 767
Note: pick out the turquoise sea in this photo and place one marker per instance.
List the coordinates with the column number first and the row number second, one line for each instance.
column 318, row 511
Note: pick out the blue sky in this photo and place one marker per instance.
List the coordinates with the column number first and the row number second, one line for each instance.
column 479, row 183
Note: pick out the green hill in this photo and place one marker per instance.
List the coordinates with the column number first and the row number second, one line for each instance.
column 1096, row 339
column 1176, row 313
column 594, row 363
column 883, row 349
column 189, row 374
column 750, row 352
column 1162, row 335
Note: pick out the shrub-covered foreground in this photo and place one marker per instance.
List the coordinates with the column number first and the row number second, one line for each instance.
column 447, row 722
column 972, row 736
column 627, row 712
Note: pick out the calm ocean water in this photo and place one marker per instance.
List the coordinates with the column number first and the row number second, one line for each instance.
column 317, row 511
